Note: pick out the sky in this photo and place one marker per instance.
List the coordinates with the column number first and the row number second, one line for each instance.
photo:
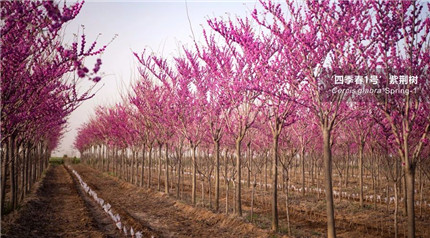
column 161, row 27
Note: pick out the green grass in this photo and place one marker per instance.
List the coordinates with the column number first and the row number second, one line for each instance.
column 56, row 161
column 76, row 160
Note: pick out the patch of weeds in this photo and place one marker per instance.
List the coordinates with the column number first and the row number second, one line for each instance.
column 56, row 161
column 254, row 217
column 76, row 160
column 283, row 230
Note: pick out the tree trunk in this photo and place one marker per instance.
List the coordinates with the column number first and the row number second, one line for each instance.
column 166, row 181
column 159, row 168
column 248, row 157
column 252, row 198
column 203, row 193
column 288, row 211
column 275, row 220
column 410, row 178
column 360, row 168
column 421, row 185
column 12, row 172
column 5, row 171
column 194, row 180
column 133, row 163
column 142, row 178
column 149, row 166
column 302, row 156
column 265, row 172
column 347, row 168
column 405, row 195
column 396, row 207
column 217, row 175
column 227, row 186
column 178, row 185
column 238, row 180
column 331, row 232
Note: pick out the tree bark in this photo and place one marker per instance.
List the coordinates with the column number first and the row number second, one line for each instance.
column 410, row 186
column 331, row 232
column 360, row 168
column 166, row 181
column 275, row 220
column 396, row 206
column 302, row 156
column 238, row 203
column 5, row 171
column 194, row 180
column 216, row 175
column 142, row 178
column 149, row 166
column 159, row 167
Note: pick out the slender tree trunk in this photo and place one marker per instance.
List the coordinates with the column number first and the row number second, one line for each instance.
column 287, row 210
column 226, row 182
column 410, row 178
column 133, row 164
column 203, row 193
column 142, row 179
column 275, row 220
column 239, row 177
column 347, row 168
column 5, row 171
column 421, row 184
column 302, row 156
column 194, row 179
column 159, row 167
column 166, row 185
column 178, row 184
column 149, row 166
column 360, row 168
column 27, row 168
column 405, row 195
column 12, row 171
column 265, row 172
column 318, row 182
column 216, row 175
column 227, row 186
column 396, row 207
column 23, row 169
column 331, row 232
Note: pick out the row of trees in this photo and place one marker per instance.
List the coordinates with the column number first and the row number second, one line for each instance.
column 268, row 81
column 38, row 88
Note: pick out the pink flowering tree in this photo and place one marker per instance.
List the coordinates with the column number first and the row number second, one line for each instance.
column 38, row 91
column 401, row 36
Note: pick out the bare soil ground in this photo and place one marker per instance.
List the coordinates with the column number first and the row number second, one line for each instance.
column 161, row 215
column 58, row 208
column 307, row 214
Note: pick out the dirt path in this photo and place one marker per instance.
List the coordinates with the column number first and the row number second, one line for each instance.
column 161, row 215
column 58, row 209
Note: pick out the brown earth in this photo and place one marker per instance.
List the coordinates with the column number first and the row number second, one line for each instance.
column 162, row 215
column 307, row 214
column 58, row 209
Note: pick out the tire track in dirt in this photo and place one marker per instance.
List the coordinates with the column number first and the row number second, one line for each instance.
column 103, row 221
column 58, row 210
column 163, row 215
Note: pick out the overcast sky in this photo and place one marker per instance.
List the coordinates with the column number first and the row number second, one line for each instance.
column 159, row 26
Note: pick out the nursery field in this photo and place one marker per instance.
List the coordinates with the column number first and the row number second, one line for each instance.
column 262, row 119
column 60, row 207
column 57, row 209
